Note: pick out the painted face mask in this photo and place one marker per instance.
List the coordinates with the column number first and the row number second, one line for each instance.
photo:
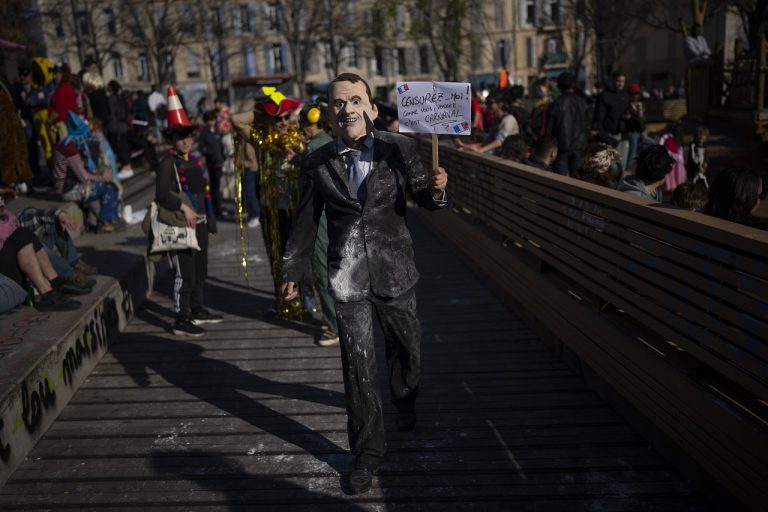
column 349, row 107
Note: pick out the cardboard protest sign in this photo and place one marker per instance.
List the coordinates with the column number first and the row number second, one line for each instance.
column 434, row 107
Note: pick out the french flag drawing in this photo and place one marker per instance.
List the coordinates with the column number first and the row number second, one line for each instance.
column 461, row 127
column 402, row 88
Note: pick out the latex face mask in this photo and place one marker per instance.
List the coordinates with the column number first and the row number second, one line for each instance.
column 349, row 107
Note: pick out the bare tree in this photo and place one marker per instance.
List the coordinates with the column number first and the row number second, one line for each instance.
column 216, row 42
column 343, row 27
column 159, row 28
column 608, row 28
column 442, row 23
column 98, row 32
column 299, row 22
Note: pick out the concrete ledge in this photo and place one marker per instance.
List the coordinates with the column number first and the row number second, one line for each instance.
column 45, row 357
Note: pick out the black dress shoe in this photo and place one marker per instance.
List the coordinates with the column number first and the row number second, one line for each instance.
column 360, row 480
column 406, row 421
column 70, row 287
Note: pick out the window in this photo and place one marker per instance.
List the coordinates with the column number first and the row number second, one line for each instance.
column 144, row 75
column 187, row 21
column 193, row 64
column 58, row 26
column 529, row 12
column 117, row 65
column 554, row 12
column 220, row 67
column 109, row 14
column 424, row 67
column 249, row 60
column 503, row 46
column 400, row 18
column 215, row 21
column 326, row 54
column 271, row 18
column 275, row 58
column 530, row 52
column 237, row 27
column 553, row 45
column 247, row 16
column 351, row 55
column 402, row 62
column 499, row 14
column 378, row 61
column 168, row 69
column 83, row 23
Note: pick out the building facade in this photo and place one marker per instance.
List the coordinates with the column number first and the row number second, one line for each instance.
column 235, row 46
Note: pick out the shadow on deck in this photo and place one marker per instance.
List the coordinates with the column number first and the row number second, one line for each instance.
column 251, row 417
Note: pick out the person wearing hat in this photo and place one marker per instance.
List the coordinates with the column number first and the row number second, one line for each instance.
column 312, row 122
column 362, row 180
column 277, row 142
column 182, row 184
column 77, row 178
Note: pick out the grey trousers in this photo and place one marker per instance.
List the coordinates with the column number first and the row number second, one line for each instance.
column 402, row 335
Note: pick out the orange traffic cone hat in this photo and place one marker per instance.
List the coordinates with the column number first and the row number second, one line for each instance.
column 176, row 115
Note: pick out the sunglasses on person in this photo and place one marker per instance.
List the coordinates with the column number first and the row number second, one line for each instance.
column 284, row 117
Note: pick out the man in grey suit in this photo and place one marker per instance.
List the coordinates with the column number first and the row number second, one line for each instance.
column 362, row 179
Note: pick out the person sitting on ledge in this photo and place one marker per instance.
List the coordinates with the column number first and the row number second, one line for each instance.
column 71, row 161
column 22, row 256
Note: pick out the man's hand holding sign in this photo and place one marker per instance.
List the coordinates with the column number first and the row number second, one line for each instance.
column 436, row 108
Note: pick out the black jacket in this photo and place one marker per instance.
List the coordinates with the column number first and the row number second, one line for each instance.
column 609, row 111
column 166, row 183
column 370, row 246
column 211, row 147
column 568, row 122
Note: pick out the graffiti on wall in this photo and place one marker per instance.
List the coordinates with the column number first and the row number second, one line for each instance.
column 38, row 394
column 12, row 331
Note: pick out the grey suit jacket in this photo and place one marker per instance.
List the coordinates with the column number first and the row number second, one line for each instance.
column 370, row 247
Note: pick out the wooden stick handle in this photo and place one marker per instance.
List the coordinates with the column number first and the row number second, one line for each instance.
column 435, row 157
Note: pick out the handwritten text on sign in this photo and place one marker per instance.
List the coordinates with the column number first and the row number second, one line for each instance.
column 434, row 107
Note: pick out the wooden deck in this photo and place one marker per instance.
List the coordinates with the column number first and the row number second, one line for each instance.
column 251, row 417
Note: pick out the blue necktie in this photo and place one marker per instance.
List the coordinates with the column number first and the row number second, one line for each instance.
column 355, row 173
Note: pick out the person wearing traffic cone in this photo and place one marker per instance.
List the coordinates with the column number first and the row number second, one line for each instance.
column 182, row 184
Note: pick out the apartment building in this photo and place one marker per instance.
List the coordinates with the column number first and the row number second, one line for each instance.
column 236, row 46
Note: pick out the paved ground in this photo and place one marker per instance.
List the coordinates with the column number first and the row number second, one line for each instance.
column 251, row 417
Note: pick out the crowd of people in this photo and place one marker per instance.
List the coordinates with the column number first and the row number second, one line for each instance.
column 604, row 139
column 327, row 184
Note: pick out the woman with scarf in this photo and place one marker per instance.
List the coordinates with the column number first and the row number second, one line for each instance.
column 182, row 184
